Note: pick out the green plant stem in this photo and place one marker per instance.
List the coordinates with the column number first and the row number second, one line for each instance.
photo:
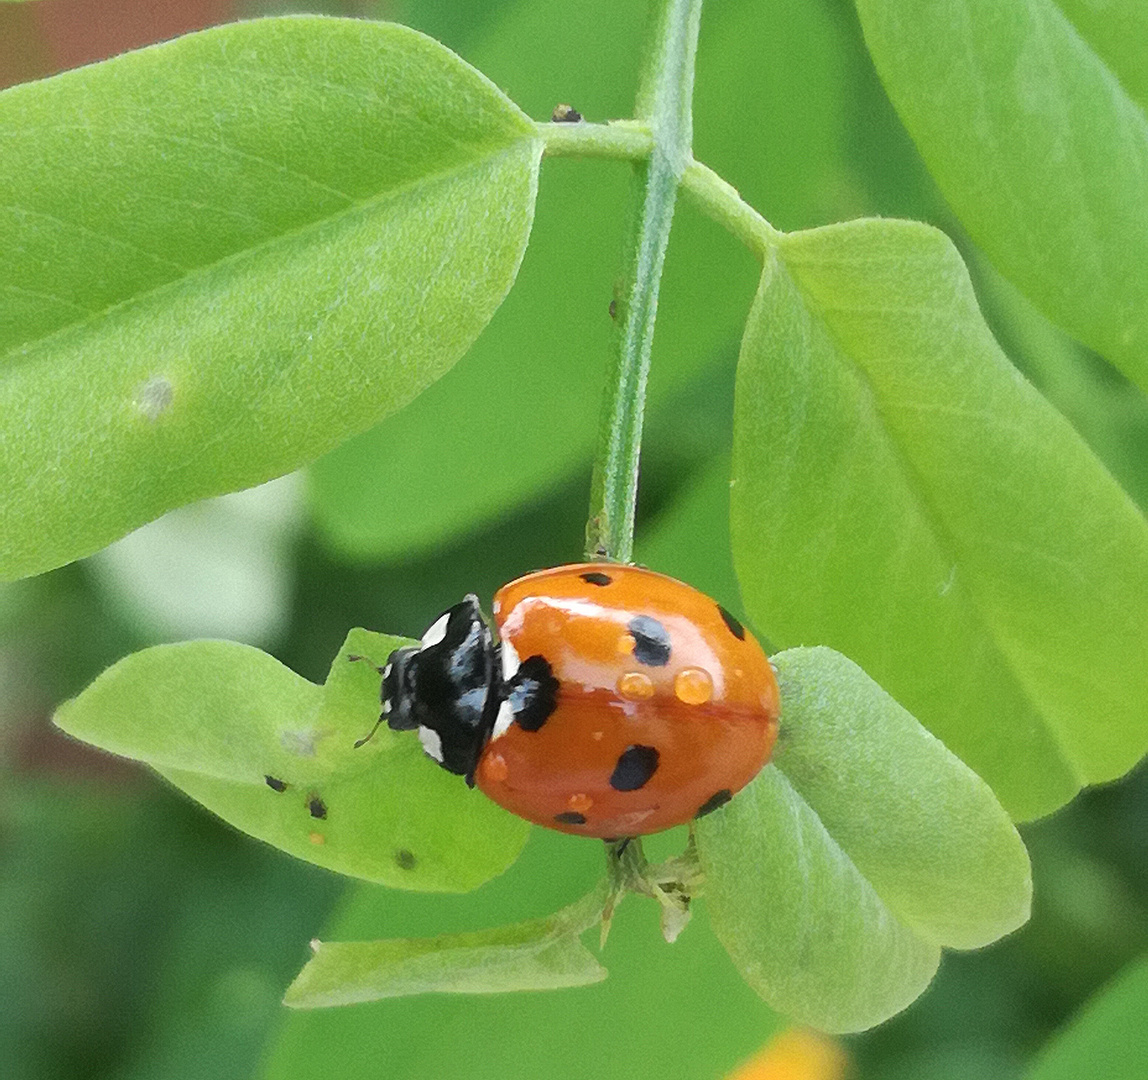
column 664, row 107
column 721, row 201
column 629, row 140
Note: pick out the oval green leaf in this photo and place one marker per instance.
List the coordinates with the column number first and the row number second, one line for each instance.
column 1108, row 1039
column 275, row 755
column 224, row 255
column 901, row 494
column 1038, row 147
column 542, row 954
column 836, row 876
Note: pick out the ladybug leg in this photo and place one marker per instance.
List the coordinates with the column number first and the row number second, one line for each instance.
column 353, row 658
column 367, row 738
column 672, row 883
column 625, row 868
column 619, row 845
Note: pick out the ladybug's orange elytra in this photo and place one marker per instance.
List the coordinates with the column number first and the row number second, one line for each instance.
column 649, row 735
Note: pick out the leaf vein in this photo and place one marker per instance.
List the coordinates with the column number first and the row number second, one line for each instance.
column 945, row 539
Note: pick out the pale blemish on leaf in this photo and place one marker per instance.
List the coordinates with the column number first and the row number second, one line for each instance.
column 302, row 741
column 155, row 397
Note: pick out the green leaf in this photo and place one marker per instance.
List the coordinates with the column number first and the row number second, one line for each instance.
column 923, row 828
column 902, row 495
column 803, row 926
column 521, row 415
column 1117, row 30
column 835, row 877
column 229, row 725
column 1109, row 411
column 1038, row 147
column 1109, row 1038
column 542, row 954
column 224, row 255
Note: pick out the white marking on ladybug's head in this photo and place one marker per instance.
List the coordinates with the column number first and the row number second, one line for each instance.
column 386, row 706
column 387, row 671
column 510, row 661
column 436, row 632
column 432, row 742
column 503, row 721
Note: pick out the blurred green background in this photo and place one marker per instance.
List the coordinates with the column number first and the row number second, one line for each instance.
column 143, row 938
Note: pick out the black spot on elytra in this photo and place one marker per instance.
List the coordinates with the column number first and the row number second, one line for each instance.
column 735, row 627
column 405, row 859
column 596, row 577
column 570, row 817
column 532, row 693
column 635, row 766
column 651, row 641
column 317, row 807
column 718, row 798
column 275, row 784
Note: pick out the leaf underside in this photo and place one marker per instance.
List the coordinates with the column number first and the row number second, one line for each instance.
column 275, row 755
column 837, row 875
column 542, row 954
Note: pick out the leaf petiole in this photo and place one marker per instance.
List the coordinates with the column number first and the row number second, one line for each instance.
column 630, row 140
column 721, row 201
column 624, row 140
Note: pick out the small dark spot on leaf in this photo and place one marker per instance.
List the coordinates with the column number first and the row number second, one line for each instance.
column 317, row 807
column 276, row 784
column 596, row 577
column 570, row 817
column 405, row 859
column 613, row 309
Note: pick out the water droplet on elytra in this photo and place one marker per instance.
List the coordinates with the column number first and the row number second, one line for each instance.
column 635, row 685
column 693, row 686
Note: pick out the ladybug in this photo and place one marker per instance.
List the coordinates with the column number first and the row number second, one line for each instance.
column 606, row 701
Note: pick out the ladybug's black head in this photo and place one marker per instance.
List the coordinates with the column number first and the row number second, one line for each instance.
column 445, row 687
